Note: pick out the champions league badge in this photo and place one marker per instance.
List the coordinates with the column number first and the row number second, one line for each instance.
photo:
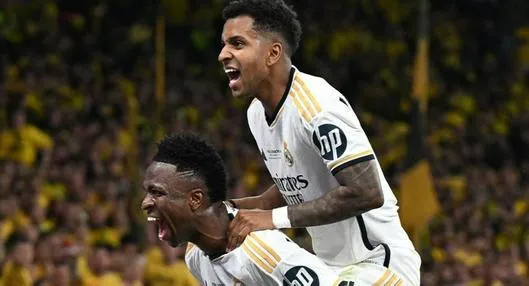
column 288, row 155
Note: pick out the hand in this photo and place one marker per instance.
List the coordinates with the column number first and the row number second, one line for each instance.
column 245, row 222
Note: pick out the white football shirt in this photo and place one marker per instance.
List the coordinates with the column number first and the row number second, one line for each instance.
column 313, row 135
column 265, row 258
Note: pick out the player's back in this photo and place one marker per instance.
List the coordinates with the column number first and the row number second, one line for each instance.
column 265, row 258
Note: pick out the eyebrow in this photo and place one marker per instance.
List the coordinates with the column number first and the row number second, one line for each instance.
column 232, row 39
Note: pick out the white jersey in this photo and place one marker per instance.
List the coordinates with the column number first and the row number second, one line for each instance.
column 265, row 258
column 313, row 135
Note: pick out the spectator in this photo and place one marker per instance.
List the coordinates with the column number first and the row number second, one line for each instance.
column 79, row 117
column 18, row 270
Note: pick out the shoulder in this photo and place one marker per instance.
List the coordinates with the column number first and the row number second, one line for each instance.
column 316, row 88
column 283, row 260
column 268, row 249
column 263, row 249
column 315, row 97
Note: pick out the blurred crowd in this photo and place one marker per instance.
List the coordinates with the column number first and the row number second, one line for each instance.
column 80, row 116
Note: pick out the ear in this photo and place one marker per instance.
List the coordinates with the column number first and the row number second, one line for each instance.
column 196, row 198
column 275, row 53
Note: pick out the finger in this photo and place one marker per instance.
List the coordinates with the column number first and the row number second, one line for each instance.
column 233, row 234
column 239, row 235
column 233, row 230
column 233, row 242
column 233, row 224
column 238, row 238
column 242, row 236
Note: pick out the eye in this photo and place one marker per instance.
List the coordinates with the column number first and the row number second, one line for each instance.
column 156, row 193
column 238, row 44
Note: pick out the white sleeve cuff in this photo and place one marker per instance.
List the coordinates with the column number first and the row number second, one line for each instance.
column 280, row 217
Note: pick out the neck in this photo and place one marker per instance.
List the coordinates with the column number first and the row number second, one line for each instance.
column 274, row 89
column 212, row 226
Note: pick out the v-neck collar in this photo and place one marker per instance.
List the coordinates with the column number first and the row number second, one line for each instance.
column 271, row 119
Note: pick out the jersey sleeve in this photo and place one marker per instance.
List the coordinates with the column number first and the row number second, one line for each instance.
column 279, row 261
column 336, row 134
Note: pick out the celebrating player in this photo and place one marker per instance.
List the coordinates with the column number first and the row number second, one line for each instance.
column 186, row 186
column 327, row 177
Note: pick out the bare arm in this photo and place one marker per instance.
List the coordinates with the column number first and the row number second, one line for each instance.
column 268, row 200
column 359, row 191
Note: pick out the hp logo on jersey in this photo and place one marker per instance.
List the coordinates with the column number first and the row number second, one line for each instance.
column 300, row 276
column 331, row 141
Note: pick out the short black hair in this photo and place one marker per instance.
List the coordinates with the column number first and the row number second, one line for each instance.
column 271, row 16
column 189, row 152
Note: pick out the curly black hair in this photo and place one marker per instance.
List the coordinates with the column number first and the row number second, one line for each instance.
column 189, row 152
column 270, row 16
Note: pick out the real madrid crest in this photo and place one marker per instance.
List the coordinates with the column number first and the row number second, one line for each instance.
column 288, row 155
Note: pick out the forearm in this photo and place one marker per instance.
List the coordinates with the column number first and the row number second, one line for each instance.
column 359, row 192
column 253, row 202
column 268, row 200
column 337, row 205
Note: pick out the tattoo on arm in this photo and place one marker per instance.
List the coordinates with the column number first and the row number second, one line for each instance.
column 359, row 191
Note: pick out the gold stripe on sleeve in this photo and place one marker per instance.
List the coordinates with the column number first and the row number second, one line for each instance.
column 251, row 244
column 350, row 157
column 309, row 93
column 268, row 248
column 392, row 281
column 300, row 106
column 383, row 278
column 304, row 98
column 257, row 260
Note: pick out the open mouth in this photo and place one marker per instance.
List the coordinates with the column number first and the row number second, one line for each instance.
column 164, row 232
column 233, row 75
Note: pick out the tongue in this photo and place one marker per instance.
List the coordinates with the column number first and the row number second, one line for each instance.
column 234, row 79
column 163, row 231
column 233, row 82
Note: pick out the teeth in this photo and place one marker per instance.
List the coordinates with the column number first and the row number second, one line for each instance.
column 229, row 70
column 152, row 218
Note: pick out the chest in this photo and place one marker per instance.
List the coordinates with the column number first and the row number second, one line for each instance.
column 283, row 146
column 293, row 162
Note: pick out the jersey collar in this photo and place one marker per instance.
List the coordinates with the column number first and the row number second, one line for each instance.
column 270, row 119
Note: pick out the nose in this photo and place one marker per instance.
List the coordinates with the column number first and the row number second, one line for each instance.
column 147, row 204
column 224, row 55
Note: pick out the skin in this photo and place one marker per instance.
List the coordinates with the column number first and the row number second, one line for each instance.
column 181, row 200
column 260, row 57
column 264, row 64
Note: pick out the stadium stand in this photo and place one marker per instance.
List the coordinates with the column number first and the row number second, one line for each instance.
column 79, row 118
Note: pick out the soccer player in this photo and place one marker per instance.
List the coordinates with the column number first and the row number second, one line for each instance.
column 327, row 177
column 186, row 186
